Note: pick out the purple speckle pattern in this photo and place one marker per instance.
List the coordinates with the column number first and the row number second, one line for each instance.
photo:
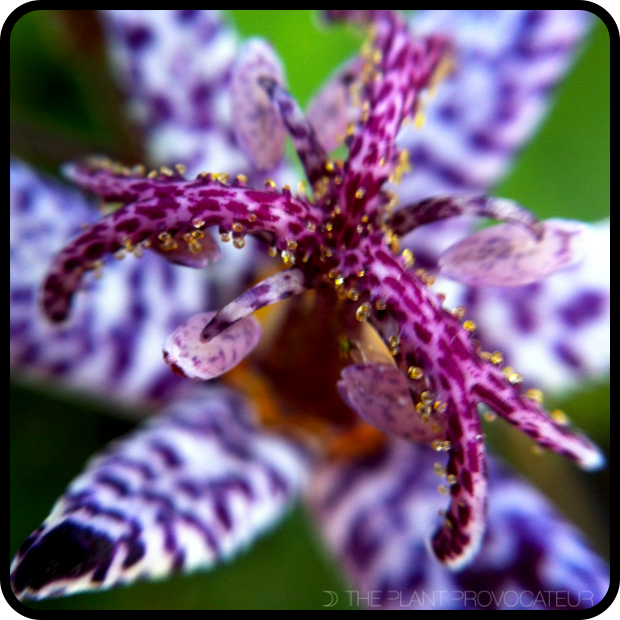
column 178, row 85
column 199, row 483
column 339, row 239
column 188, row 490
column 112, row 345
column 555, row 332
column 189, row 356
column 376, row 515
column 278, row 287
column 257, row 124
column 468, row 140
column 510, row 255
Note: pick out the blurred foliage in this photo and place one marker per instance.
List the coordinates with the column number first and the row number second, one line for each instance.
column 64, row 104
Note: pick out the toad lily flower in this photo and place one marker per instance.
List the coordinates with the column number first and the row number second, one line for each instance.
column 200, row 481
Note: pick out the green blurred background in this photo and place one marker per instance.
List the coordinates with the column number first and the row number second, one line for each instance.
column 64, row 105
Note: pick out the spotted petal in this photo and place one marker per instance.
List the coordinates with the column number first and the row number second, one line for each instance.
column 511, row 255
column 190, row 489
column 175, row 68
column 377, row 515
column 189, row 357
column 256, row 121
column 331, row 110
column 555, row 332
column 112, row 345
column 506, row 64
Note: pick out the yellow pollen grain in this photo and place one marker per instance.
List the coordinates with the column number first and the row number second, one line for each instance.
column 363, row 312
column 311, row 227
column 291, row 244
column 380, row 304
column 270, row 183
column 507, row 371
column 329, row 227
column 239, row 242
column 426, row 398
column 273, row 251
column 237, row 227
column 557, row 415
column 444, row 490
column 225, row 237
column 361, row 273
column 198, row 222
column 181, row 168
column 360, row 193
column 408, row 258
column 496, row 358
column 515, row 378
column 489, row 416
column 451, row 479
column 152, row 174
column 329, row 166
column 534, row 394
column 242, row 178
column 419, row 119
column 440, row 407
column 469, row 326
column 446, row 445
column 166, row 171
column 288, row 257
column 353, row 294
column 439, row 469
column 415, row 373
column 252, row 217
column 459, row 312
column 194, row 246
column 423, row 410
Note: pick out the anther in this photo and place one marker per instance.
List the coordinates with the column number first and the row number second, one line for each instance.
column 415, row 373
column 363, row 312
column 534, row 394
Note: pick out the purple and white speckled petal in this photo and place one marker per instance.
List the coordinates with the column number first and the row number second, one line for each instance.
column 506, row 64
column 331, row 109
column 377, row 516
column 378, row 394
column 555, row 332
column 175, row 68
column 256, row 121
column 437, row 208
column 112, row 346
column 190, row 357
column 190, row 489
column 512, row 255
